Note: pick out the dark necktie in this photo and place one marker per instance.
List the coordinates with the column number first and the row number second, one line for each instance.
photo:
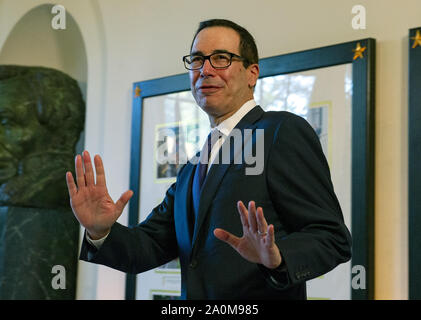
column 201, row 170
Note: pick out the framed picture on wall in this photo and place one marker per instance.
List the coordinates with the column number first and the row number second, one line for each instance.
column 332, row 88
column 414, row 165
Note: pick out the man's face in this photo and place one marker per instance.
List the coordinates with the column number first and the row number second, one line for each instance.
column 221, row 91
column 18, row 130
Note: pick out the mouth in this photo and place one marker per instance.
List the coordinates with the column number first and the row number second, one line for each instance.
column 208, row 88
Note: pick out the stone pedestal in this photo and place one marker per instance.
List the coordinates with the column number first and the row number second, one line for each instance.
column 32, row 242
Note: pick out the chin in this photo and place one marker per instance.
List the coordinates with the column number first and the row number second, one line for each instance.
column 210, row 108
column 212, row 105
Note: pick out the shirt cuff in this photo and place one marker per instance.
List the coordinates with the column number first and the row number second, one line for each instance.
column 96, row 243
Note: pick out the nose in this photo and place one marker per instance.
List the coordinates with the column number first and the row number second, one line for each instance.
column 207, row 69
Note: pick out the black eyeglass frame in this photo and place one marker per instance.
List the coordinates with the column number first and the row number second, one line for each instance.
column 232, row 55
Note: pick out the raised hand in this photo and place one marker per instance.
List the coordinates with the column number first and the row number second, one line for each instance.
column 90, row 201
column 257, row 244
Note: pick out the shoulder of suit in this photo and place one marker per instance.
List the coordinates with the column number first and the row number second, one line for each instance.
column 280, row 116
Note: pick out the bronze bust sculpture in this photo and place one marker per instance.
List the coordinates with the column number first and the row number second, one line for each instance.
column 41, row 115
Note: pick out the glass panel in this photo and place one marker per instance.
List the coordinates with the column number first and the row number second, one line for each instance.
column 324, row 98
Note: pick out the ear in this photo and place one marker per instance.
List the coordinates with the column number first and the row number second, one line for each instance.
column 253, row 74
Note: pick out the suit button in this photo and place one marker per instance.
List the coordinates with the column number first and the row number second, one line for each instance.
column 193, row 264
column 298, row 275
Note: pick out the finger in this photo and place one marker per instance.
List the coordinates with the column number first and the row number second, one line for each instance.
column 270, row 238
column 89, row 173
column 261, row 221
column 100, row 172
column 227, row 237
column 71, row 186
column 80, row 176
column 121, row 203
column 252, row 217
column 243, row 215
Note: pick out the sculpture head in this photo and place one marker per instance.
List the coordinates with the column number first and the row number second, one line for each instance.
column 42, row 114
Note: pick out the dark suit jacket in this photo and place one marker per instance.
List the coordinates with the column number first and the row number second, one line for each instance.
column 297, row 197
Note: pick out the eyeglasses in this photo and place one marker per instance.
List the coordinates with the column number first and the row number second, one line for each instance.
column 219, row 60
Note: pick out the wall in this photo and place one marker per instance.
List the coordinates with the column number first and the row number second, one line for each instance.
column 41, row 45
column 145, row 39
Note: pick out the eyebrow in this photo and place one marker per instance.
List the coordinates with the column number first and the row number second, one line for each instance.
column 200, row 53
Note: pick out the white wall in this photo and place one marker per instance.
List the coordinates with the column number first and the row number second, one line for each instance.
column 137, row 40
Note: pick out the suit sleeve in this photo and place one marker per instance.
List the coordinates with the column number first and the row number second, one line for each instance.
column 302, row 193
column 136, row 249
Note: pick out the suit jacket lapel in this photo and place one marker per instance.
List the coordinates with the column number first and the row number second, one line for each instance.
column 183, row 205
column 217, row 171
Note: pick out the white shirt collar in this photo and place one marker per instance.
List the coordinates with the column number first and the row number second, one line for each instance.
column 226, row 126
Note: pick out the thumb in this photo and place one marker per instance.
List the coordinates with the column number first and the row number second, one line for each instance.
column 121, row 203
column 227, row 237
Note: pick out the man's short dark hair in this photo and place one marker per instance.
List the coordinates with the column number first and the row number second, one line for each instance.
column 248, row 48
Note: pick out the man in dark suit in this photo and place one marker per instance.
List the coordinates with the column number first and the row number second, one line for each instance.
column 292, row 229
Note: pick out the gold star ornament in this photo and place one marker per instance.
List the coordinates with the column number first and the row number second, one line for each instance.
column 417, row 39
column 137, row 92
column 358, row 51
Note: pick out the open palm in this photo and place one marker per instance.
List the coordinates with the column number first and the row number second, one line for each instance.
column 90, row 201
column 257, row 244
